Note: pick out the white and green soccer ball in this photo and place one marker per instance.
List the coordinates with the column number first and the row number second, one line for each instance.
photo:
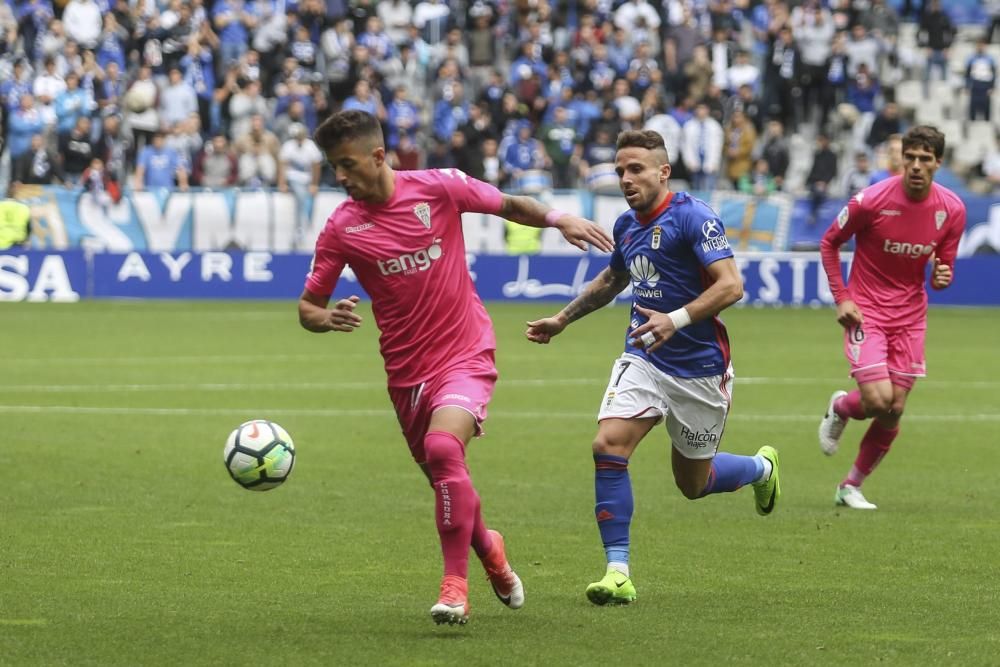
column 259, row 455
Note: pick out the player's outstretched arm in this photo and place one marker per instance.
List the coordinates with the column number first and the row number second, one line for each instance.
column 578, row 231
column 316, row 317
column 597, row 293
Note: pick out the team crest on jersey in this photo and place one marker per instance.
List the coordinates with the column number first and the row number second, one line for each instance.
column 843, row 216
column 939, row 218
column 423, row 213
column 655, row 243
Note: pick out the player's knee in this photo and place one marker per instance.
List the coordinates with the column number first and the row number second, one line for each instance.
column 603, row 445
column 877, row 406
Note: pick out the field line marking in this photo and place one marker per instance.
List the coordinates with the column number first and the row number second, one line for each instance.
column 365, row 384
column 500, row 414
column 23, row 621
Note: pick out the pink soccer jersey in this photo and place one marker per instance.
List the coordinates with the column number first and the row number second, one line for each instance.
column 409, row 255
column 894, row 239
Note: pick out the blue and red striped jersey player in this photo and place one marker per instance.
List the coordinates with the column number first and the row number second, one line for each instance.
column 401, row 233
column 672, row 249
column 899, row 225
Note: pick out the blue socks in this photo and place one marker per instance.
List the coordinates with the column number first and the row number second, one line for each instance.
column 730, row 472
column 613, row 510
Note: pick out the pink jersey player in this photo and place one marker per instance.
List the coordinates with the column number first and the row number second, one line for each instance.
column 401, row 234
column 899, row 226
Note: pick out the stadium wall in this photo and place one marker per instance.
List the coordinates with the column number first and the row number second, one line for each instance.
column 771, row 279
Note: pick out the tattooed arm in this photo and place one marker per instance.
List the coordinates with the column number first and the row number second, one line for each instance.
column 599, row 292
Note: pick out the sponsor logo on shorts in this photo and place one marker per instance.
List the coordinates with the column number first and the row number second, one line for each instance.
column 609, row 399
column 456, row 397
column 699, row 439
column 911, row 250
column 855, row 351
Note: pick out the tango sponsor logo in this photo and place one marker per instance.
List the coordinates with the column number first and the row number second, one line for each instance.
column 698, row 439
column 911, row 250
column 359, row 228
column 411, row 262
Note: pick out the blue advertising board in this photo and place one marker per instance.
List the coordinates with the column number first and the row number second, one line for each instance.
column 770, row 279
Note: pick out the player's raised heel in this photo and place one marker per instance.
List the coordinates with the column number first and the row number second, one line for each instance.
column 453, row 604
column 614, row 588
column 505, row 582
column 831, row 427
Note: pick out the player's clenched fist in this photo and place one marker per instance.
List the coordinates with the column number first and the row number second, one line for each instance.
column 542, row 331
column 342, row 316
column 941, row 275
column 848, row 314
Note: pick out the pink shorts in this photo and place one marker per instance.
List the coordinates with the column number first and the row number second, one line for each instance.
column 885, row 354
column 468, row 385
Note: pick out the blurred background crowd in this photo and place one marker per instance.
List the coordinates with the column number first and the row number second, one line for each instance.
column 806, row 97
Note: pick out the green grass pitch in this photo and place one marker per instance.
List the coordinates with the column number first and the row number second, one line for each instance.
column 124, row 542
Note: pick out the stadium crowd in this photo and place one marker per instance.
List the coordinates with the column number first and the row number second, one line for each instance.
column 108, row 94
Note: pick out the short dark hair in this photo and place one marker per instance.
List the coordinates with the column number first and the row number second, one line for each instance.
column 927, row 137
column 348, row 126
column 648, row 139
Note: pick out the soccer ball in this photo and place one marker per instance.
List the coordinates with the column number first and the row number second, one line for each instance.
column 259, row 455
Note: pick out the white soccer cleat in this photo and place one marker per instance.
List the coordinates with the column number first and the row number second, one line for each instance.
column 851, row 496
column 831, row 427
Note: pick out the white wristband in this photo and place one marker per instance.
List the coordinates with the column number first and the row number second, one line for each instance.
column 680, row 318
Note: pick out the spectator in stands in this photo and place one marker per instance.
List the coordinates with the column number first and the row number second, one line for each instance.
column 25, row 122
column 740, row 138
column 862, row 91
column 859, row 176
column 834, row 89
column 299, row 165
column 178, row 100
column 185, row 138
column 396, row 15
column 890, row 156
column 364, row 99
column 198, row 66
column 483, row 48
column 431, row 18
column 698, row 71
column 75, row 150
column 18, row 84
column 702, row 149
column 562, row 146
column 813, row 28
column 83, row 22
column 862, row 49
column 243, row 106
column 48, row 85
column 821, row 175
column 408, row 155
column 467, row 158
column 628, row 107
column 140, row 103
column 667, row 127
column 109, row 90
column 642, row 69
column 440, row 155
column 758, row 181
column 522, row 153
column 36, row 166
column 97, row 182
column 216, row 165
column 72, row 103
column 935, row 36
column 887, row 123
column 233, row 19
column 782, row 79
column 980, row 79
column 450, row 113
column 257, row 151
column 159, row 166
column 493, row 172
column 114, row 147
column 741, row 73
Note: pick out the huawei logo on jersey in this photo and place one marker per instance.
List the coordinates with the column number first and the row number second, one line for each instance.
column 644, row 276
column 911, row 250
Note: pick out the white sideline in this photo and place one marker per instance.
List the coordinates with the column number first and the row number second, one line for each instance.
column 332, row 412
column 504, row 382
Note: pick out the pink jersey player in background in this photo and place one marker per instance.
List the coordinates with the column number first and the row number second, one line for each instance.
column 899, row 225
column 401, row 234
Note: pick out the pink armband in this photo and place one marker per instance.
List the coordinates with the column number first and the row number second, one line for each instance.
column 552, row 216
